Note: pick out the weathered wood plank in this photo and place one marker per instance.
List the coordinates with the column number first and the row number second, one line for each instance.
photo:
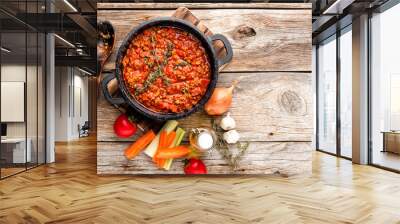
column 266, row 107
column 272, row 104
column 262, row 158
column 262, row 39
column 152, row 6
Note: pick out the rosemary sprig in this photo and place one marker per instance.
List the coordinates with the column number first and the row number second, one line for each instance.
column 147, row 61
column 165, row 80
column 158, row 72
column 153, row 40
column 225, row 149
column 181, row 63
column 170, row 47
column 185, row 90
column 150, row 79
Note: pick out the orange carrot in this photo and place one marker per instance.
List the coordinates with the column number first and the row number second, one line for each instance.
column 166, row 141
column 134, row 149
column 161, row 144
column 163, row 138
column 172, row 153
column 170, row 138
column 160, row 163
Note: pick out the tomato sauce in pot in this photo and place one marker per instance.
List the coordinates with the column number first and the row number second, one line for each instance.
column 166, row 69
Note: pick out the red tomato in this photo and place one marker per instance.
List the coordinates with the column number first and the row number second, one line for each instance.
column 124, row 127
column 195, row 166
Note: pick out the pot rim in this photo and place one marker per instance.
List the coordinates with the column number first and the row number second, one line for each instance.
column 181, row 24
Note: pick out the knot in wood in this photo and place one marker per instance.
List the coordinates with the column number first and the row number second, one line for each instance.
column 292, row 102
column 244, row 31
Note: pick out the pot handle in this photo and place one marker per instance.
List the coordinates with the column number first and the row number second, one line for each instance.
column 104, row 85
column 228, row 47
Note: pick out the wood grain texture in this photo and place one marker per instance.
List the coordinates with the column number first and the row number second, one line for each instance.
column 272, row 104
column 266, row 107
column 185, row 14
column 262, row 39
column 152, row 6
column 70, row 191
column 262, row 158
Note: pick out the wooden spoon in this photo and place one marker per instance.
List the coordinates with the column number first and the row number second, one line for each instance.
column 105, row 45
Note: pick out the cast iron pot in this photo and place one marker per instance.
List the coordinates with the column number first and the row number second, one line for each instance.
column 206, row 41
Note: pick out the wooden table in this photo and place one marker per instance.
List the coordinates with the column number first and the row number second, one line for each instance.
column 273, row 104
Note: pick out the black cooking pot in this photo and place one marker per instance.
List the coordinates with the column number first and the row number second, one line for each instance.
column 206, row 41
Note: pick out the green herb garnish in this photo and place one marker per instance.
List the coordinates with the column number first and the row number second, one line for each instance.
column 182, row 63
column 158, row 72
column 170, row 47
column 166, row 80
column 185, row 90
column 225, row 148
column 150, row 79
column 152, row 39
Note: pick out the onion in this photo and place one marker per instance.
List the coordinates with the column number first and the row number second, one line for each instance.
column 220, row 100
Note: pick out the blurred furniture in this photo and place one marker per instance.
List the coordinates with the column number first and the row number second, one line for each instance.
column 84, row 130
column 391, row 141
column 3, row 130
column 13, row 150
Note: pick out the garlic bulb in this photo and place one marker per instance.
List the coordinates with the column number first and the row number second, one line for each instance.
column 231, row 137
column 227, row 123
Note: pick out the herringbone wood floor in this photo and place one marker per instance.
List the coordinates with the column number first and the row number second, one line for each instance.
column 69, row 191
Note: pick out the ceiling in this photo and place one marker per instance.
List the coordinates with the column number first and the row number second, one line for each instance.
column 72, row 20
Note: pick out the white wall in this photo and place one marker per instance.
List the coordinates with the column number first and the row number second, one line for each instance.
column 16, row 73
column 80, row 110
column 61, row 103
column 70, row 84
column 33, row 126
column 9, row 73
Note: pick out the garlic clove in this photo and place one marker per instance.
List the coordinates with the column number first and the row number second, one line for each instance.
column 231, row 137
column 227, row 122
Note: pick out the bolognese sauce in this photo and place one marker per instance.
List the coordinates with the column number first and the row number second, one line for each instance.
column 166, row 69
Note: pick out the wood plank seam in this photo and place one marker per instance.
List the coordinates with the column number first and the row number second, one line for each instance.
column 280, row 43
column 265, row 40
